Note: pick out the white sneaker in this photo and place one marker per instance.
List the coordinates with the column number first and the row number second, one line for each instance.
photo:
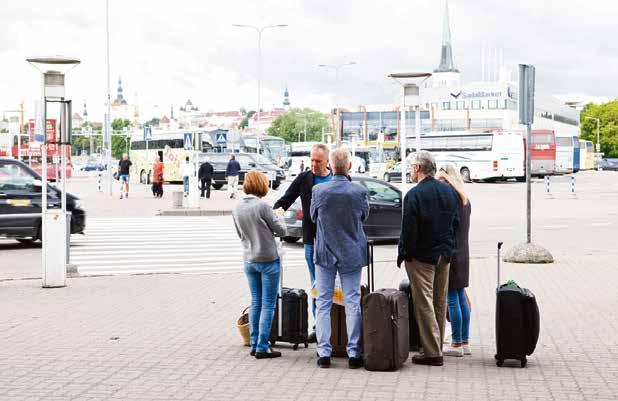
column 453, row 351
column 466, row 349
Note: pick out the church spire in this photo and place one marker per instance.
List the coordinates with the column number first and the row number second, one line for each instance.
column 286, row 98
column 446, row 53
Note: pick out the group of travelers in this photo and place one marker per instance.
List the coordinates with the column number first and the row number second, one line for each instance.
column 433, row 247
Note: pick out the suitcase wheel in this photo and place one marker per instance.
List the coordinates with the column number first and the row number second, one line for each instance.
column 295, row 347
column 272, row 343
column 499, row 362
column 524, row 362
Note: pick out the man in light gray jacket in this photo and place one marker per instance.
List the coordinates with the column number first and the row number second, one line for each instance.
column 338, row 208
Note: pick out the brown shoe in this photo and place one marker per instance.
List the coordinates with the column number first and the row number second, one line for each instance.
column 427, row 360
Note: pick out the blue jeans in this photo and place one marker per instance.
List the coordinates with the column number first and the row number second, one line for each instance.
column 264, row 284
column 459, row 313
column 350, row 284
column 311, row 267
column 185, row 184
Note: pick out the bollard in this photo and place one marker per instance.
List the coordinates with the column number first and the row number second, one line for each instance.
column 99, row 183
column 573, row 194
column 548, row 186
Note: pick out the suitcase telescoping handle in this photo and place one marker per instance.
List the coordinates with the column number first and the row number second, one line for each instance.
column 499, row 247
column 370, row 271
column 280, row 296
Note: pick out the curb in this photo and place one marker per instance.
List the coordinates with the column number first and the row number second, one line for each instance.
column 193, row 212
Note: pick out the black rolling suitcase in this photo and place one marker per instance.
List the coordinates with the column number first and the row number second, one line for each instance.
column 385, row 325
column 517, row 321
column 415, row 337
column 291, row 326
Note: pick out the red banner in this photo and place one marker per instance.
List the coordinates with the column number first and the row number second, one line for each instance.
column 51, row 130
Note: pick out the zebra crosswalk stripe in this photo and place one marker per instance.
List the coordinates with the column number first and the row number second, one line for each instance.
column 163, row 245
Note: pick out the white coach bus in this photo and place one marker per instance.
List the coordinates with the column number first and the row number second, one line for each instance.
column 479, row 156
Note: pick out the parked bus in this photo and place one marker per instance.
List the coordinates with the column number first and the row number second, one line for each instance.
column 543, row 153
column 168, row 145
column 487, row 156
column 576, row 150
column 271, row 147
column 589, row 161
column 564, row 154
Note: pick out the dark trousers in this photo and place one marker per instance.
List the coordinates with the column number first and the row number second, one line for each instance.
column 157, row 189
column 206, row 186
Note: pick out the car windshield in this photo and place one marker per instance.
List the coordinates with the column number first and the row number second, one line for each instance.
column 262, row 160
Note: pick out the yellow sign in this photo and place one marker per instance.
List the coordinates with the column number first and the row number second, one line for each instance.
column 19, row 202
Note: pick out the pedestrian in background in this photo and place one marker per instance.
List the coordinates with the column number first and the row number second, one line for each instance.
column 157, row 177
column 257, row 224
column 124, row 168
column 302, row 187
column 231, row 174
column 426, row 244
column 205, row 175
column 188, row 170
column 459, row 272
column 338, row 208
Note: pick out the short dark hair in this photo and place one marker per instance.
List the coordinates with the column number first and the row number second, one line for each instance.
column 232, row 156
column 187, row 158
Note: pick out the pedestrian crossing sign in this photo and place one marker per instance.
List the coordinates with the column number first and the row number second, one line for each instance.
column 188, row 145
column 221, row 138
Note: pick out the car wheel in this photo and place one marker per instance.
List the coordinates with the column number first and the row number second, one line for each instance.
column 217, row 186
column 465, row 174
column 26, row 241
column 521, row 179
column 291, row 240
column 276, row 184
column 387, row 178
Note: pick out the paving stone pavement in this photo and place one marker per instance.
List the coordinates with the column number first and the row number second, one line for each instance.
column 173, row 337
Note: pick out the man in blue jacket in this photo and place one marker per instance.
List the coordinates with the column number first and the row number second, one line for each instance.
column 338, row 208
column 426, row 244
column 231, row 174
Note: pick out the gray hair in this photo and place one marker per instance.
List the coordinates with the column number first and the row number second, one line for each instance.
column 340, row 160
column 425, row 161
column 322, row 147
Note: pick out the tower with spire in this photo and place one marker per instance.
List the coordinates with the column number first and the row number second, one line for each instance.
column 446, row 75
column 286, row 99
column 85, row 115
column 120, row 106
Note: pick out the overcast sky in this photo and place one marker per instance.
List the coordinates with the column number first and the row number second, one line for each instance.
column 169, row 51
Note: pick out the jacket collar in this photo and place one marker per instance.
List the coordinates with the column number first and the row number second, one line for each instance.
column 340, row 178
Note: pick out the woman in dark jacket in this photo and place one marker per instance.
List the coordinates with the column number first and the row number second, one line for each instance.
column 458, row 307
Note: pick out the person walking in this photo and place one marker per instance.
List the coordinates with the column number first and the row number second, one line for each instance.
column 188, row 171
column 257, row 225
column 338, row 208
column 302, row 187
column 231, row 174
column 426, row 244
column 157, row 177
column 124, row 167
column 205, row 175
column 459, row 272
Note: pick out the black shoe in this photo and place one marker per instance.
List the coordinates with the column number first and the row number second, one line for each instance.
column 252, row 353
column 324, row 362
column 355, row 363
column 312, row 339
column 267, row 355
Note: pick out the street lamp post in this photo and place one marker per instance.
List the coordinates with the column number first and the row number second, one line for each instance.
column 55, row 226
column 409, row 88
column 337, row 67
column 259, row 31
column 107, row 120
column 598, row 120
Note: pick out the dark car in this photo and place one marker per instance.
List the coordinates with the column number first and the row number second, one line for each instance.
column 394, row 174
column 93, row 167
column 607, row 164
column 20, row 193
column 248, row 162
column 383, row 223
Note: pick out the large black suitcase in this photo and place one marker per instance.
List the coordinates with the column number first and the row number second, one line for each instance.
column 291, row 325
column 517, row 321
column 385, row 325
column 415, row 337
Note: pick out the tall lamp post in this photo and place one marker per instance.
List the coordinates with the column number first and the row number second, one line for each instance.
column 259, row 31
column 598, row 120
column 410, row 82
column 55, row 226
column 337, row 67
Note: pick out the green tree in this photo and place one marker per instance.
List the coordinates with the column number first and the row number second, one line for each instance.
column 120, row 143
column 608, row 127
column 245, row 121
column 291, row 125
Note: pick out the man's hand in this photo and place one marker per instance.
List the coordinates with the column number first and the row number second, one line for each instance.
column 279, row 212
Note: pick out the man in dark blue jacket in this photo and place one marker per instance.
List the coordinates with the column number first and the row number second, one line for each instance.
column 302, row 186
column 231, row 174
column 426, row 244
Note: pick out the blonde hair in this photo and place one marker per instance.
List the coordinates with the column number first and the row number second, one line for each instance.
column 255, row 184
column 449, row 173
